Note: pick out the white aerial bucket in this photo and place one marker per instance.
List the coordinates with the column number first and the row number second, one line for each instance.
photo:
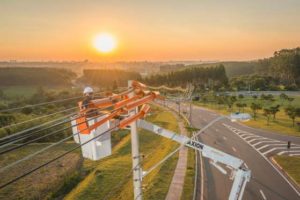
column 97, row 148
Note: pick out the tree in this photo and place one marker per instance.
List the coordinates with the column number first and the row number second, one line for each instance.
column 255, row 107
column 241, row 96
column 267, row 113
column 290, row 99
column 239, row 105
column 274, row 110
column 292, row 112
column 283, row 97
column 254, row 97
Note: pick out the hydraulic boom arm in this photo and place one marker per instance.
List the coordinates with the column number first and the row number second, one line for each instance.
column 240, row 174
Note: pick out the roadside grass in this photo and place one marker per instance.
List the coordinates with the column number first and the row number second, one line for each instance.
column 111, row 178
column 48, row 182
column 290, row 165
column 188, row 188
column 282, row 124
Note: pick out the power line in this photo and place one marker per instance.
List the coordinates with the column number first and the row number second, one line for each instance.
column 46, row 148
column 36, row 118
column 57, row 124
column 11, row 137
column 44, row 103
column 22, row 137
column 39, row 104
column 54, row 159
column 43, row 136
column 32, row 128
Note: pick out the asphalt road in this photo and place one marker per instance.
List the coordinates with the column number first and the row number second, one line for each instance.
column 253, row 146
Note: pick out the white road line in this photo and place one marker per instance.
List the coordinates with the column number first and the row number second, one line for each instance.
column 269, row 141
column 253, row 136
column 260, row 138
column 296, row 154
column 270, row 150
column 275, row 168
column 263, row 147
column 263, row 195
column 283, row 152
column 246, row 165
column 233, row 149
column 245, row 134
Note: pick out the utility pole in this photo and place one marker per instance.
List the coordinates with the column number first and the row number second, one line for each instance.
column 137, row 171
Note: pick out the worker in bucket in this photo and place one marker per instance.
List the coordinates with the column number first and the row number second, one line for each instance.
column 88, row 94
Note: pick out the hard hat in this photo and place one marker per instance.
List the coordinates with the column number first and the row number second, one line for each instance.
column 88, row 90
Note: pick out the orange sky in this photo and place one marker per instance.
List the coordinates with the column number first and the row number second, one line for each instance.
column 148, row 30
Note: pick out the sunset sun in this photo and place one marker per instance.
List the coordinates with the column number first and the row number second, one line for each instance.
column 104, row 43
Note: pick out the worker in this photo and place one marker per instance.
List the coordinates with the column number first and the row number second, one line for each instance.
column 88, row 94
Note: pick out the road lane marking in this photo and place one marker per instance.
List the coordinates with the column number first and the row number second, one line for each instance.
column 233, row 149
column 263, row 195
column 283, row 152
column 263, row 147
column 296, row 154
column 278, row 148
column 272, row 165
column 253, row 136
column 246, row 165
column 270, row 141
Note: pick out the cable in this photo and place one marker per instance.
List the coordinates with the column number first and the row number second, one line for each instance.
column 32, row 128
column 30, row 134
column 54, row 159
column 40, row 117
column 44, row 103
column 44, row 149
column 39, row 104
column 12, row 137
column 43, row 136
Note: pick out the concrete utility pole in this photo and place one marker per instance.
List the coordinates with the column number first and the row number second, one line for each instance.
column 137, row 171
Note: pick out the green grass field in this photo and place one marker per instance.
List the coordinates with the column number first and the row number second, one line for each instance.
column 290, row 166
column 111, row 177
column 282, row 124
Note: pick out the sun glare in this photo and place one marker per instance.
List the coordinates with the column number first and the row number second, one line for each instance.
column 104, row 43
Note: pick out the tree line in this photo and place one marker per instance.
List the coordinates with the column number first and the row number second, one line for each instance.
column 204, row 77
column 284, row 65
column 11, row 76
column 109, row 78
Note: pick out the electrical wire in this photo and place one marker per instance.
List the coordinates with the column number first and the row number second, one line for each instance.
column 44, row 103
column 54, row 159
column 39, row 104
column 22, row 137
column 30, row 129
column 36, row 118
column 48, row 134
column 46, row 148
column 35, row 127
